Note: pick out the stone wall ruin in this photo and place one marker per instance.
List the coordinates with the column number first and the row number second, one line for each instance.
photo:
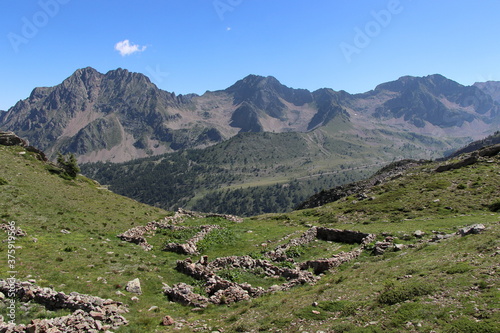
column 91, row 313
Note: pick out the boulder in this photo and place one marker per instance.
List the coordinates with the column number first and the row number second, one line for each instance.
column 419, row 234
column 473, row 229
column 11, row 139
column 167, row 321
column 134, row 286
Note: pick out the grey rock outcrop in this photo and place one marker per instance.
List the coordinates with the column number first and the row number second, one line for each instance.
column 11, row 139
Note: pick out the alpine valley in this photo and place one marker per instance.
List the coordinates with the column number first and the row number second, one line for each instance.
column 255, row 147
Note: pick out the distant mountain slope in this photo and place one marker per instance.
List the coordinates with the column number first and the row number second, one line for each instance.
column 487, row 147
column 119, row 116
column 434, row 100
column 255, row 173
column 491, row 88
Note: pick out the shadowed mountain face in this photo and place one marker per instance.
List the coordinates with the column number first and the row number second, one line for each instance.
column 120, row 115
column 491, row 88
column 435, row 100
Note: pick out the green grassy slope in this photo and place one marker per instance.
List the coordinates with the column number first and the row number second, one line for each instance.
column 448, row 286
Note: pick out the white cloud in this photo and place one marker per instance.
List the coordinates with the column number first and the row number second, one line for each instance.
column 125, row 48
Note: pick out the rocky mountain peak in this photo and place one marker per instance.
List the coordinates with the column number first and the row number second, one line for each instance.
column 122, row 115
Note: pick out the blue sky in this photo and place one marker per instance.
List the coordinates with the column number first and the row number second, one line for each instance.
column 197, row 45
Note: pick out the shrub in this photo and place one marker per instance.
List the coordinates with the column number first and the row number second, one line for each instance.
column 495, row 207
column 346, row 308
column 294, row 252
column 232, row 275
column 68, row 164
column 3, row 181
column 404, row 292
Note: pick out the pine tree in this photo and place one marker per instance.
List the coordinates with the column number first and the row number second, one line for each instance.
column 68, row 164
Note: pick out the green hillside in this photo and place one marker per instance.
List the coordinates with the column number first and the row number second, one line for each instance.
column 448, row 285
column 256, row 173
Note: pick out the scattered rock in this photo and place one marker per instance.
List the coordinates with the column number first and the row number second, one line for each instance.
column 399, row 247
column 134, row 286
column 419, row 234
column 167, row 321
column 381, row 247
column 473, row 229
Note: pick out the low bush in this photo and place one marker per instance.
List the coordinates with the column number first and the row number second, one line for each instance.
column 495, row 207
column 346, row 308
column 404, row 292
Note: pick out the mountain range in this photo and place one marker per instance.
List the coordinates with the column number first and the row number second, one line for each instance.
column 121, row 116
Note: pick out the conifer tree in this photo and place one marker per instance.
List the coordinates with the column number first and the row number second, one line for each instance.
column 69, row 164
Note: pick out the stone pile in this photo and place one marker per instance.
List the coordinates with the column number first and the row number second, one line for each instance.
column 222, row 291
column 321, row 233
column 190, row 246
column 322, row 265
column 137, row 234
column 91, row 313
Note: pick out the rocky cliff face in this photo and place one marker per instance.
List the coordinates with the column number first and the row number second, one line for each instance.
column 121, row 115
column 113, row 116
column 435, row 100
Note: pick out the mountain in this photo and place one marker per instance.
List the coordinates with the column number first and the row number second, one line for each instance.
column 120, row 116
column 114, row 116
column 430, row 262
column 431, row 102
column 491, row 88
